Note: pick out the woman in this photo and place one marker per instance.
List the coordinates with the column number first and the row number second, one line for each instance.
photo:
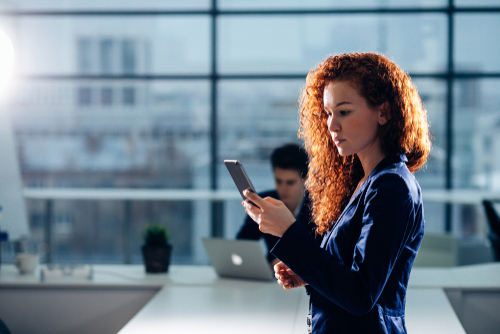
column 366, row 132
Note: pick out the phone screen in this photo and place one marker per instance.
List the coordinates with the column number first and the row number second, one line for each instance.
column 239, row 177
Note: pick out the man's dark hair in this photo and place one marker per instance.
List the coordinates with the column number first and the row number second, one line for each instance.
column 291, row 156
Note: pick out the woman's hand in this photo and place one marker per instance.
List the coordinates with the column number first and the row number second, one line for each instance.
column 272, row 215
column 286, row 277
column 273, row 263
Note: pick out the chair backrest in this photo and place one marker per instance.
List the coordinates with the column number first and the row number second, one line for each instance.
column 494, row 223
column 3, row 328
column 493, row 218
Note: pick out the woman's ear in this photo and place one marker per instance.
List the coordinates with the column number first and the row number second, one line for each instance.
column 384, row 114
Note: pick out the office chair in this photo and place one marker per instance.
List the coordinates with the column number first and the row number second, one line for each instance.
column 3, row 328
column 494, row 222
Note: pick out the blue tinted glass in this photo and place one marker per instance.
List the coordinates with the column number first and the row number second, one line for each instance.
column 117, row 133
column 106, row 5
column 112, row 45
column 113, row 134
column 431, row 176
column 433, row 95
column 477, row 42
column 331, row 4
column 274, row 44
column 111, row 231
column 476, row 125
column 254, row 118
column 477, row 3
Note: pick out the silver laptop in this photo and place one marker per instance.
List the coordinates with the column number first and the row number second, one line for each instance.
column 238, row 258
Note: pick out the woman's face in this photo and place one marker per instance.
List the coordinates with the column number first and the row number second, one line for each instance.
column 352, row 123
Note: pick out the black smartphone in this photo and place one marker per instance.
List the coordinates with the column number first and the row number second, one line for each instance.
column 240, row 178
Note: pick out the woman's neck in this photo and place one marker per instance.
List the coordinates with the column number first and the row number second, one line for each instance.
column 370, row 159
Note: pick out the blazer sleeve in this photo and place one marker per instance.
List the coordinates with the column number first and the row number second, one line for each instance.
column 355, row 284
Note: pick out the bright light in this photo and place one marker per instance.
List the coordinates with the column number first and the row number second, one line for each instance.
column 6, row 59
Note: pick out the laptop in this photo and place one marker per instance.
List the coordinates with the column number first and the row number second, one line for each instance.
column 238, row 258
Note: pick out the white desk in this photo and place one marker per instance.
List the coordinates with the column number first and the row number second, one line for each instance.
column 479, row 276
column 192, row 299
column 231, row 307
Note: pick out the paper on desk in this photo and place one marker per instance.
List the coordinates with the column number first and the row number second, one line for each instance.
column 66, row 272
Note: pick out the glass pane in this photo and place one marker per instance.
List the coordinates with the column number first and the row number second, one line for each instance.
column 476, row 147
column 274, row 44
column 137, row 134
column 331, row 4
column 432, row 175
column 477, row 42
column 112, row 45
column 476, row 129
column 477, row 3
column 254, row 118
column 96, row 231
column 433, row 94
column 104, row 5
column 91, row 134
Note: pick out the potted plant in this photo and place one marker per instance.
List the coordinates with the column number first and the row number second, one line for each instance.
column 156, row 249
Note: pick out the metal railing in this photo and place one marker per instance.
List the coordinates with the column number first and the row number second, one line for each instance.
column 216, row 197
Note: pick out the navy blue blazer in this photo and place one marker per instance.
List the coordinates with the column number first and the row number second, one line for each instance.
column 250, row 229
column 358, row 276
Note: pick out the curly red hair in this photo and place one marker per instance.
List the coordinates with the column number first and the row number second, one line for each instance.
column 333, row 178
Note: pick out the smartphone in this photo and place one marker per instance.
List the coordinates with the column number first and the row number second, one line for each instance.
column 240, row 178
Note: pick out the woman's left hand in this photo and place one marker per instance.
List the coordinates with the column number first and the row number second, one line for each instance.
column 286, row 277
column 272, row 215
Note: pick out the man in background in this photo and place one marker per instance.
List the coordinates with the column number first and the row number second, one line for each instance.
column 290, row 167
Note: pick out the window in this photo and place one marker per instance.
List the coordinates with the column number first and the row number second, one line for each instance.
column 129, row 96
column 106, row 96
column 178, row 99
column 106, row 56
column 84, row 96
column 84, row 55
column 128, row 56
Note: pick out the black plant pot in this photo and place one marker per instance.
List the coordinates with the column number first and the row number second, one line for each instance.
column 156, row 257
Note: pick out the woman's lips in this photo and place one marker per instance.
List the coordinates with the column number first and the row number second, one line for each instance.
column 338, row 141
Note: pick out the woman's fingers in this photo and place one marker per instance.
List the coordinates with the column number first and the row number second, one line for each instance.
column 272, row 216
column 280, row 266
column 282, row 276
column 286, row 277
column 255, row 198
column 273, row 201
column 285, row 282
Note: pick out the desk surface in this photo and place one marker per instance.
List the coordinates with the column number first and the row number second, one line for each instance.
column 478, row 276
column 473, row 276
column 194, row 299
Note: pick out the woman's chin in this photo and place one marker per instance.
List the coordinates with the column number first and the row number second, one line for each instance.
column 343, row 153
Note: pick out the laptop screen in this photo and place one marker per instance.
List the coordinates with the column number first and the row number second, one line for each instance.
column 238, row 258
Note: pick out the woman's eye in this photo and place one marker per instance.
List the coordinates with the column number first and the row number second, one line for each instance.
column 344, row 112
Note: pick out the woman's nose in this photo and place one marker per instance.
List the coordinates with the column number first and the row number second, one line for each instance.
column 333, row 125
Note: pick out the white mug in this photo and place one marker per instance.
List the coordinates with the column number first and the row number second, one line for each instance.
column 26, row 263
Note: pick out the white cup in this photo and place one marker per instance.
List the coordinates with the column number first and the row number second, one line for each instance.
column 27, row 263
